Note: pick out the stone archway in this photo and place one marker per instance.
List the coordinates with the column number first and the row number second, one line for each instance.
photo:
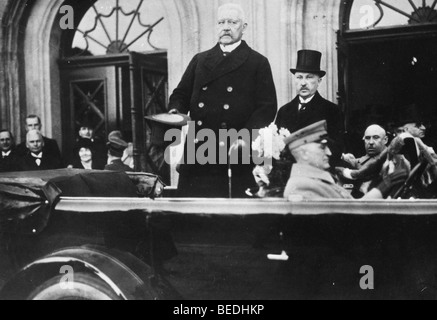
column 12, row 95
column 30, row 80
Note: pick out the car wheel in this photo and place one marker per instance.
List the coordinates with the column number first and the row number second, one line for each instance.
column 84, row 286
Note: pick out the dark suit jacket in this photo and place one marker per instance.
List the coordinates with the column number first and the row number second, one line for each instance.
column 10, row 163
column 318, row 109
column 119, row 166
column 48, row 162
column 50, row 147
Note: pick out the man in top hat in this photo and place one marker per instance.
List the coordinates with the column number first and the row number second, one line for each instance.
column 116, row 148
column 228, row 87
column 37, row 158
column 310, row 178
column 8, row 158
column 309, row 106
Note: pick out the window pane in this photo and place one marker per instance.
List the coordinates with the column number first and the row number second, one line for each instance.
column 365, row 13
column 103, row 32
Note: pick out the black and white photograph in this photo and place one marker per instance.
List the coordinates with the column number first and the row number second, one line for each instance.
column 203, row 151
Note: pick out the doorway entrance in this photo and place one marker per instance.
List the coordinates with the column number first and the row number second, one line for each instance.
column 383, row 70
column 116, row 92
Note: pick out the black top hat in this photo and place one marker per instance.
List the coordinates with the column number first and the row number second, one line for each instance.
column 308, row 61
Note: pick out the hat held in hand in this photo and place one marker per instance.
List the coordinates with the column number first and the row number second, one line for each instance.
column 161, row 123
column 116, row 144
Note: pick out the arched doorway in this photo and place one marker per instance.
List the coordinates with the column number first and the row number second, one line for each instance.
column 387, row 53
column 33, row 43
column 114, row 73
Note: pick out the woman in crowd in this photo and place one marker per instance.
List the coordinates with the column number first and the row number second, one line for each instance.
column 85, row 157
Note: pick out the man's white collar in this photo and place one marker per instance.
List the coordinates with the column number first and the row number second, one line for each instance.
column 230, row 47
column 302, row 100
column 6, row 154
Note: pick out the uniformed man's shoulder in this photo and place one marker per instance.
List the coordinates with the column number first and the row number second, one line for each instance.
column 306, row 187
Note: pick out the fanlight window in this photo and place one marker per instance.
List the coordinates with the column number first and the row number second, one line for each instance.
column 117, row 26
column 369, row 14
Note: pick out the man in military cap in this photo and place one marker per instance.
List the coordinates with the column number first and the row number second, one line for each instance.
column 310, row 177
column 309, row 106
column 228, row 87
column 116, row 147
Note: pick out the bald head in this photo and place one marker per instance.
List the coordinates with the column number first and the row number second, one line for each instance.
column 34, row 141
column 375, row 140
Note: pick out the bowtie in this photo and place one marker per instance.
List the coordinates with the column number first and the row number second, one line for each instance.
column 38, row 158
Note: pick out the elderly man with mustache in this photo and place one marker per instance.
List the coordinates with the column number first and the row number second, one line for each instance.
column 229, row 87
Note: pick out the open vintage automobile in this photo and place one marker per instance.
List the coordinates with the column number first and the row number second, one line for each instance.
column 124, row 240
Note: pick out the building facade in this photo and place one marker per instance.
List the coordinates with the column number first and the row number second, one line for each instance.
column 40, row 61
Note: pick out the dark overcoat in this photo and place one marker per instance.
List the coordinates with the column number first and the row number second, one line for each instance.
column 316, row 110
column 224, row 92
column 9, row 163
column 50, row 147
column 118, row 166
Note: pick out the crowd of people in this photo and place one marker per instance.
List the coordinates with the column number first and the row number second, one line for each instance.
column 231, row 87
column 39, row 153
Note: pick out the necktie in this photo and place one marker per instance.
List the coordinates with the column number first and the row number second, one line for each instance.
column 303, row 106
column 38, row 158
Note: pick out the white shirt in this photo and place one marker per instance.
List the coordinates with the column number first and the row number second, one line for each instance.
column 302, row 101
column 37, row 157
column 6, row 154
column 230, row 47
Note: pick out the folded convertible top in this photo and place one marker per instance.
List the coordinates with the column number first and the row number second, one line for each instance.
column 27, row 198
